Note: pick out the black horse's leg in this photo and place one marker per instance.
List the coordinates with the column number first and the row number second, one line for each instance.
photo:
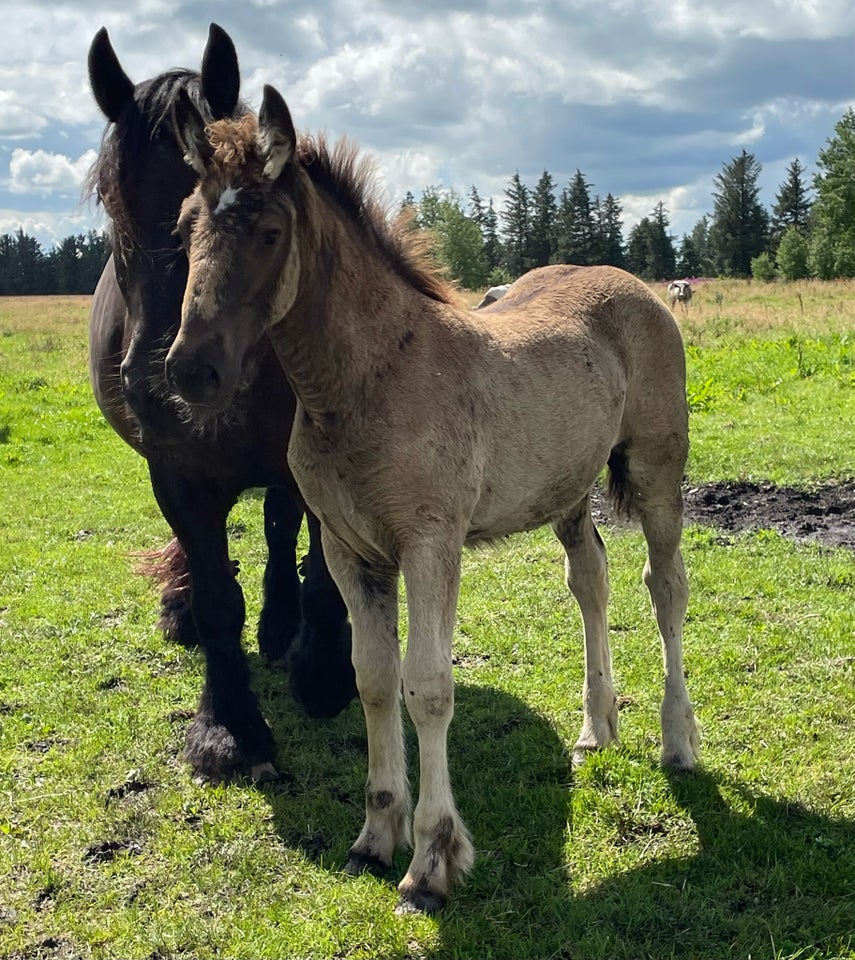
column 228, row 735
column 322, row 677
column 279, row 623
column 169, row 567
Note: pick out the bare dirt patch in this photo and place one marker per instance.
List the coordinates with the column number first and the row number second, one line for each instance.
column 824, row 514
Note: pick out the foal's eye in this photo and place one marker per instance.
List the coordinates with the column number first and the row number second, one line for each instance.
column 270, row 237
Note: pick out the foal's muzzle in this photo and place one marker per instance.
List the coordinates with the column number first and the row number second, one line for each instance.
column 194, row 380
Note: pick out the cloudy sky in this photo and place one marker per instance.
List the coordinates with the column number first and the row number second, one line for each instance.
column 648, row 99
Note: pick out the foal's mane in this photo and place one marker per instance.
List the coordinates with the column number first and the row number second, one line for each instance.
column 116, row 172
column 348, row 181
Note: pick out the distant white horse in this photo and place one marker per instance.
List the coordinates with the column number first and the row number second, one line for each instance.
column 493, row 294
column 679, row 291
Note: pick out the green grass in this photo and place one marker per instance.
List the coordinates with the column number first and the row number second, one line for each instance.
column 109, row 849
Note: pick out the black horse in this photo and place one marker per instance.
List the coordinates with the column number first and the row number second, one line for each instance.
column 141, row 179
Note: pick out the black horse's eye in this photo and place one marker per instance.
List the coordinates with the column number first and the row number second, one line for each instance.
column 271, row 236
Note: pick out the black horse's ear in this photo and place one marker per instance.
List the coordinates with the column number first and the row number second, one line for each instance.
column 220, row 73
column 110, row 84
column 190, row 132
column 276, row 138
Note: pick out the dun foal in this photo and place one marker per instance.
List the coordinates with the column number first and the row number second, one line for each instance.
column 422, row 427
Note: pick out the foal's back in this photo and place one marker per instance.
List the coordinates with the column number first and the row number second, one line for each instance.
column 580, row 361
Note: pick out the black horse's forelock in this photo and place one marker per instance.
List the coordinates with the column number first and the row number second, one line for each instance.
column 120, row 163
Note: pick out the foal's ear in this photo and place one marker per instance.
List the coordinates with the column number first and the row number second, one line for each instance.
column 110, row 84
column 276, row 138
column 190, row 132
column 220, row 73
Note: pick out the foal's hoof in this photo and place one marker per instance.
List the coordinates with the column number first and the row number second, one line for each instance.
column 419, row 900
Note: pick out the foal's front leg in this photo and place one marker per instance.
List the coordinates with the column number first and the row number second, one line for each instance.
column 443, row 850
column 371, row 594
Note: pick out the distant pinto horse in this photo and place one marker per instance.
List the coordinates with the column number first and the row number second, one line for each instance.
column 423, row 427
column 679, row 291
column 198, row 469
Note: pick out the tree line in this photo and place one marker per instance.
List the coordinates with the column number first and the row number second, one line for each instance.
column 72, row 266
column 808, row 232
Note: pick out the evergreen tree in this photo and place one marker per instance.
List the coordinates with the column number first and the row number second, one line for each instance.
column 700, row 239
column 575, row 240
column 650, row 252
column 493, row 253
column 740, row 222
column 27, row 271
column 832, row 246
column 542, row 222
column 792, row 205
column 515, row 218
column 476, row 208
column 639, row 249
column 663, row 259
column 688, row 259
column 609, row 232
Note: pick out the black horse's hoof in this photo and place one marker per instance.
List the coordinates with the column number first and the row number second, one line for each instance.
column 218, row 754
column 322, row 678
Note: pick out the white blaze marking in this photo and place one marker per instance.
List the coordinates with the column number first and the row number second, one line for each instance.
column 227, row 198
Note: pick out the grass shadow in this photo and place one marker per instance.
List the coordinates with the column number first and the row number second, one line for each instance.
column 762, row 876
column 511, row 776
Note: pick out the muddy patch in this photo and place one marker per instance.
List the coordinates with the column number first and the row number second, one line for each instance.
column 824, row 514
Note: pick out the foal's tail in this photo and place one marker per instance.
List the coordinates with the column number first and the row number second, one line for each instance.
column 620, row 489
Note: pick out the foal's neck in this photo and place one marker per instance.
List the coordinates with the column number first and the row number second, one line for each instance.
column 348, row 320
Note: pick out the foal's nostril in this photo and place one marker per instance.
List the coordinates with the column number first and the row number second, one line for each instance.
column 193, row 382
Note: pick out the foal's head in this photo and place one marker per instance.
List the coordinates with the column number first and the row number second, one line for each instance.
column 275, row 220
column 240, row 231
column 141, row 179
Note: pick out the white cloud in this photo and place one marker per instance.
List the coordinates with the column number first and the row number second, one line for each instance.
column 36, row 171
column 16, row 121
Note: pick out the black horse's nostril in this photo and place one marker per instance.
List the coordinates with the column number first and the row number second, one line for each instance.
column 194, row 382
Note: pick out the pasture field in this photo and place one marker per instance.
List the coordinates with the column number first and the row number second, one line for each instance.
column 108, row 849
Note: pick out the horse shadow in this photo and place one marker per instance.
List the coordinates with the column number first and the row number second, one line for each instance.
column 760, row 876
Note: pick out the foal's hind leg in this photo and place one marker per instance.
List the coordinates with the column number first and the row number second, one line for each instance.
column 660, row 504
column 588, row 580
